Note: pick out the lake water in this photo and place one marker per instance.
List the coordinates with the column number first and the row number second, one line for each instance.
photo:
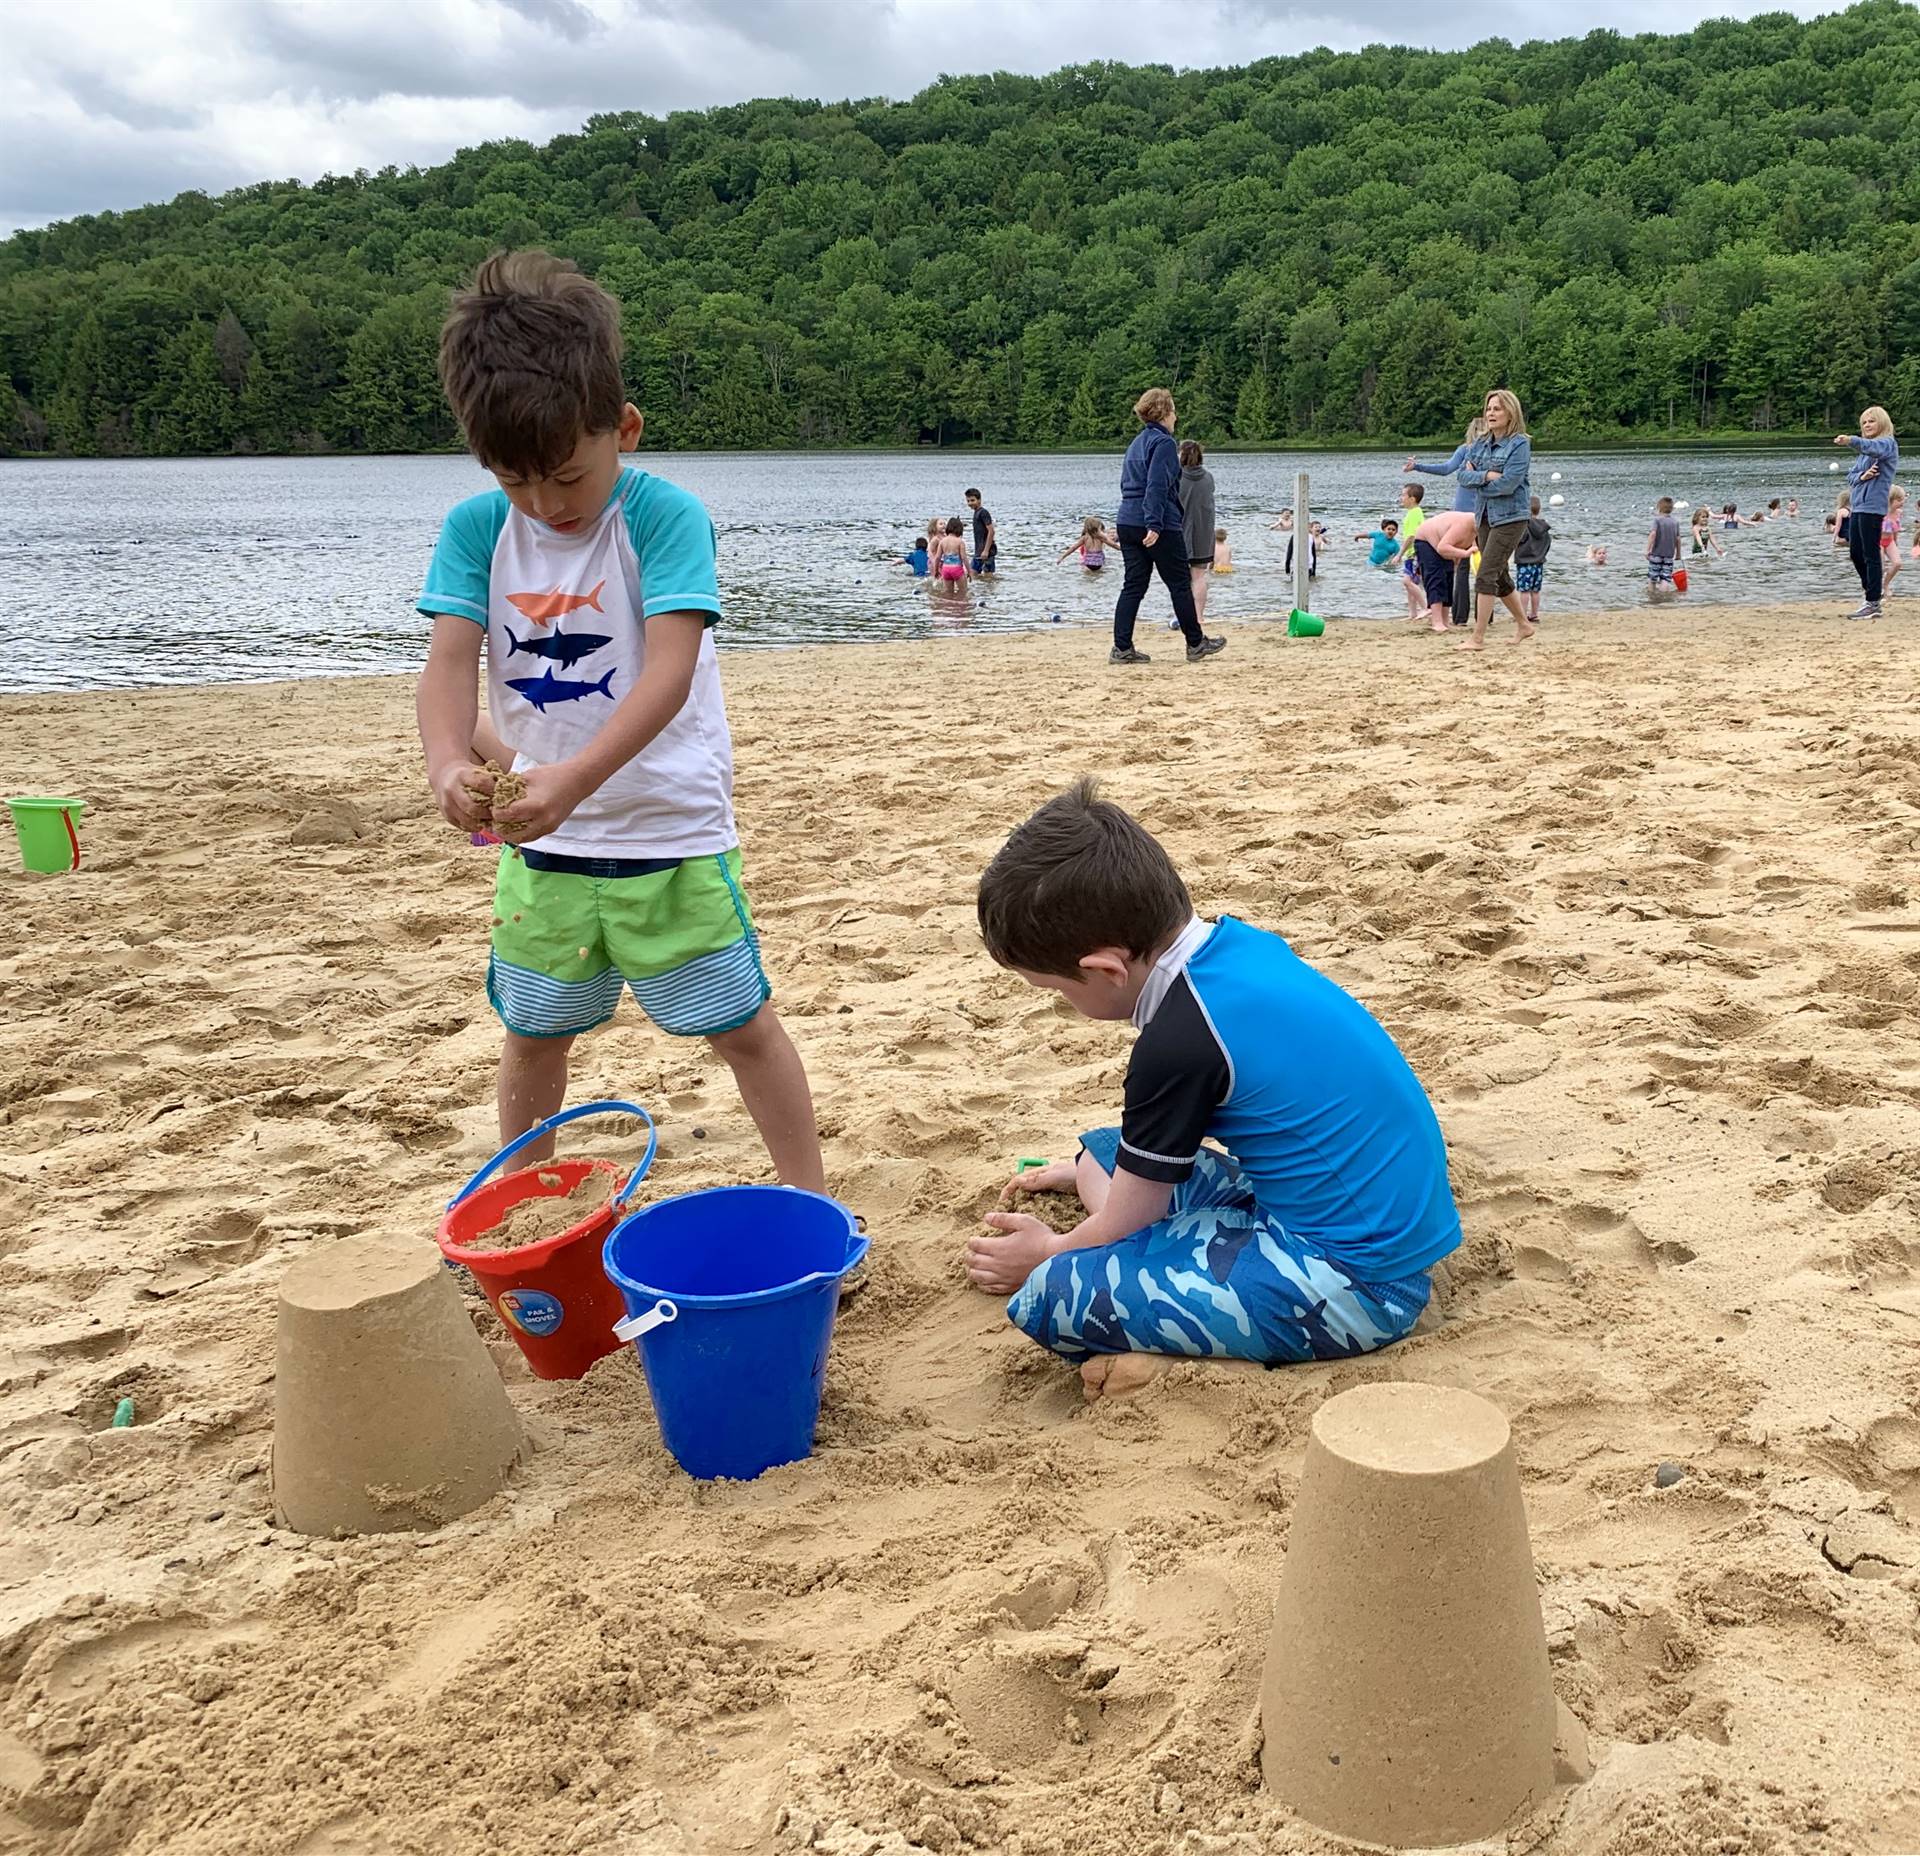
column 135, row 572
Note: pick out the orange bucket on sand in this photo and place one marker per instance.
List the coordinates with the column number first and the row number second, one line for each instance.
column 553, row 1297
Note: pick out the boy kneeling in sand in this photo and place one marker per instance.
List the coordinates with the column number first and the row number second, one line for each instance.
column 591, row 587
column 1311, row 1236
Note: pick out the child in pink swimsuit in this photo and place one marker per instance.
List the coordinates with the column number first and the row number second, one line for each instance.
column 950, row 563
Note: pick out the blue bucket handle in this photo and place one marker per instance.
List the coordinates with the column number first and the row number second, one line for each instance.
column 554, row 1121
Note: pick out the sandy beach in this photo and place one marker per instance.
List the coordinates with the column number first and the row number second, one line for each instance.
column 1635, row 901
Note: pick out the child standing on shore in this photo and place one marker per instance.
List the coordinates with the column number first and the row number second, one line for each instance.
column 1413, row 497
column 591, row 588
column 1530, row 559
column 1890, row 539
column 1444, row 541
column 1311, row 1236
column 1663, row 548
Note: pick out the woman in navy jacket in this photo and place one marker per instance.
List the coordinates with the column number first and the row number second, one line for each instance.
column 1152, row 534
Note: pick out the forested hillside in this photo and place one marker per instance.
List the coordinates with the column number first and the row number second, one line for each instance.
column 1708, row 232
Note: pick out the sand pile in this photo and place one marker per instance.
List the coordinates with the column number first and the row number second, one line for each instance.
column 533, row 1221
column 1638, row 907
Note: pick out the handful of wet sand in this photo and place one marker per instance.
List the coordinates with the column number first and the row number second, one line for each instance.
column 507, row 789
column 1058, row 1211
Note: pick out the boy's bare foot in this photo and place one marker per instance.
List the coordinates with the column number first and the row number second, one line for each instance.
column 1523, row 631
column 1117, row 1375
column 1469, row 644
column 1441, row 626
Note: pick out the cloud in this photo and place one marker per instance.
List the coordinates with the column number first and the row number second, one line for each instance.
column 123, row 102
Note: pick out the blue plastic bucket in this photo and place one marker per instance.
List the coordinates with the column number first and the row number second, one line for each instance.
column 730, row 1297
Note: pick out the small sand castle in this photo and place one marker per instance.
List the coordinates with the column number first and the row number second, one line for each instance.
column 1408, row 1700
column 388, row 1410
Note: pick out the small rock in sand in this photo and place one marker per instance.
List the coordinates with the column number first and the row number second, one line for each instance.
column 1667, row 1475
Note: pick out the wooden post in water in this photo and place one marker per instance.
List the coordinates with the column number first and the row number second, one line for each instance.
column 1302, row 545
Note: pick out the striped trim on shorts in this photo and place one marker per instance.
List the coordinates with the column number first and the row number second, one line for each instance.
column 565, row 944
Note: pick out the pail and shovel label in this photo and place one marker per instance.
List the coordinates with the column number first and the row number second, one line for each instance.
column 533, row 1311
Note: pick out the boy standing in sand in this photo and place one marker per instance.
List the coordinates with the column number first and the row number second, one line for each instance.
column 1311, row 1236
column 592, row 588
column 1444, row 540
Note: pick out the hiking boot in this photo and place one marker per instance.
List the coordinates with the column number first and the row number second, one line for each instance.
column 1206, row 648
column 1118, row 656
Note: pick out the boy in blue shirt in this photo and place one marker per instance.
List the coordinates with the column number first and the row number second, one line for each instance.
column 592, row 589
column 1384, row 543
column 1311, row 1236
column 916, row 557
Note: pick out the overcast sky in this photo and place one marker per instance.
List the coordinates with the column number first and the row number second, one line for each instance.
column 113, row 103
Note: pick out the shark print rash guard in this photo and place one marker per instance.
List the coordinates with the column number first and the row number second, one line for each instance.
column 565, row 617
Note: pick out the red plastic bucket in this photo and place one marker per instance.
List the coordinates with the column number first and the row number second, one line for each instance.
column 1679, row 579
column 553, row 1297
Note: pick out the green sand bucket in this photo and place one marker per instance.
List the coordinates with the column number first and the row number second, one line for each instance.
column 48, row 841
column 1304, row 624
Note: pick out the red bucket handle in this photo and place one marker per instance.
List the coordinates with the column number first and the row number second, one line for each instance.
column 554, row 1121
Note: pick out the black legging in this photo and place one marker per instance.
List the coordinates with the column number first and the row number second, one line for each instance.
column 1169, row 555
column 1863, row 549
column 1461, row 611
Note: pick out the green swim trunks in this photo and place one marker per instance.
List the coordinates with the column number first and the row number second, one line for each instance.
column 569, row 936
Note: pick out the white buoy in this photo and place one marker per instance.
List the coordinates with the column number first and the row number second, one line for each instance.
column 1833, row 467
column 1679, row 506
column 1556, row 476
column 1554, row 502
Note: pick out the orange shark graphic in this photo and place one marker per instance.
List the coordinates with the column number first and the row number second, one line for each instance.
column 544, row 608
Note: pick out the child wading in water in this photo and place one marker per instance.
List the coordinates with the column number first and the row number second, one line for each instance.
column 1222, row 554
column 1091, row 546
column 1704, row 541
column 950, row 558
column 1663, row 548
column 1312, row 1235
column 591, row 588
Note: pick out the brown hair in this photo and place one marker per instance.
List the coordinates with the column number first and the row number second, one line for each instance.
column 1154, row 405
column 1665, row 505
column 1080, row 874
column 1190, row 453
column 530, row 362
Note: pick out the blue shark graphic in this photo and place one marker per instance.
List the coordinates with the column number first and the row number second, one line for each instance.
column 565, row 648
column 547, row 688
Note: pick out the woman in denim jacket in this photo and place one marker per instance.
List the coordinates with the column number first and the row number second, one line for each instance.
column 1497, row 469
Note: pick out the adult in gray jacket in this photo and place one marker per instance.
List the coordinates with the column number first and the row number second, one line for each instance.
column 1196, row 504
